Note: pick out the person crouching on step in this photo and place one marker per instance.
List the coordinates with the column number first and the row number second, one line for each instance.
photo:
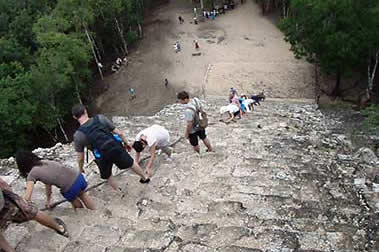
column 155, row 137
column 71, row 182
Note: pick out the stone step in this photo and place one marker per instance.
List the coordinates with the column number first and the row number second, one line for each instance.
column 279, row 180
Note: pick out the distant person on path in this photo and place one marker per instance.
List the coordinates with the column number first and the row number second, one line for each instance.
column 166, row 83
column 125, row 61
column 155, row 137
column 196, row 44
column 193, row 130
column 96, row 133
column 132, row 93
column 13, row 209
column 177, row 46
column 181, row 20
column 71, row 182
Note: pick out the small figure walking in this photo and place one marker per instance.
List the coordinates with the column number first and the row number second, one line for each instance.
column 177, row 47
column 166, row 83
column 196, row 44
column 195, row 20
column 132, row 93
column 181, row 20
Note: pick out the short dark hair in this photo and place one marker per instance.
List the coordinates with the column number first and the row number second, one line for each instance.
column 138, row 146
column 78, row 110
column 182, row 95
column 26, row 160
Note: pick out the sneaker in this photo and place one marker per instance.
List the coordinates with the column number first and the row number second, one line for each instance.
column 169, row 159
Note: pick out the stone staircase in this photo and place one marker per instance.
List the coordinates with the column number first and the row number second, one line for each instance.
column 280, row 179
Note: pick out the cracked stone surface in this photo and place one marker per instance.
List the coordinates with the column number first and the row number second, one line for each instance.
column 285, row 178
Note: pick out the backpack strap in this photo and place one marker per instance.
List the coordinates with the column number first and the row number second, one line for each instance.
column 198, row 104
column 195, row 115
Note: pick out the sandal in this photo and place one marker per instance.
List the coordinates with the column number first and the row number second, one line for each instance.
column 62, row 224
column 144, row 181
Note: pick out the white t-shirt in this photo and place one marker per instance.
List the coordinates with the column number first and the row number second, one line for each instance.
column 247, row 102
column 155, row 134
column 231, row 108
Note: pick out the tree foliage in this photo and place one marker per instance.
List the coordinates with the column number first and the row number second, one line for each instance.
column 340, row 36
column 46, row 59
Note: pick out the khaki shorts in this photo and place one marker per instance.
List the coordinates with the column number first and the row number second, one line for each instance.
column 16, row 210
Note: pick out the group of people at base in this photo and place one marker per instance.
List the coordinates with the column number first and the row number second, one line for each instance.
column 109, row 146
column 239, row 105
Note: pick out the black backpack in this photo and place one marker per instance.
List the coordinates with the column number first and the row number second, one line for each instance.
column 99, row 137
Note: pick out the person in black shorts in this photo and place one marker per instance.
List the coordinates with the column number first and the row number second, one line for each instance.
column 108, row 144
column 193, row 131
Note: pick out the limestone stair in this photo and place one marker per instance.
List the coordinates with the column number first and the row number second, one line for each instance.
column 272, row 184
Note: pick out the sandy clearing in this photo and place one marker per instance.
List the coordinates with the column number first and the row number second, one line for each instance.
column 240, row 49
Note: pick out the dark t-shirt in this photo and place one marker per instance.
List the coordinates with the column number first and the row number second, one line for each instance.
column 80, row 139
column 54, row 173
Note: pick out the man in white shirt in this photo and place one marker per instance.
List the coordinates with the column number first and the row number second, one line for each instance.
column 155, row 137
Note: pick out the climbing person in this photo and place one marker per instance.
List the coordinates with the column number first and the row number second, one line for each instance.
column 71, row 182
column 13, row 209
column 96, row 133
column 232, row 111
column 241, row 100
column 191, row 115
column 234, row 99
column 155, row 137
column 166, row 83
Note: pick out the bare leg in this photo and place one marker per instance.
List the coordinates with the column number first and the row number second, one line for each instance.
column 167, row 150
column 112, row 182
column 76, row 203
column 138, row 170
column 4, row 245
column 208, row 144
column 196, row 148
column 47, row 221
column 87, row 201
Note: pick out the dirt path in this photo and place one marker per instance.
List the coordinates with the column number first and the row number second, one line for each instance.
column 240, row 49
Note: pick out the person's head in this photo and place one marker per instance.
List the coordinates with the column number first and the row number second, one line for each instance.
column 139, row 145
column 26, row 160
column 183, row 97
column 78, row 110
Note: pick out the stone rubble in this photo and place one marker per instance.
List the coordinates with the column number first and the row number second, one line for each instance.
column 285, row 178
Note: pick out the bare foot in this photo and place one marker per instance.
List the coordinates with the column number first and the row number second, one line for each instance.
column 149, row 173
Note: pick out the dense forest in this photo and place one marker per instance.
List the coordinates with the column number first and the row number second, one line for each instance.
column 50, row 50
column 341, row 39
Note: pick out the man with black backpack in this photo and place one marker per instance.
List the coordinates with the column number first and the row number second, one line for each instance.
column 196, row 119
column 108, row 144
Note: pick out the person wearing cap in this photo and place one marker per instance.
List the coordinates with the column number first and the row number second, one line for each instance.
column 155, row 137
